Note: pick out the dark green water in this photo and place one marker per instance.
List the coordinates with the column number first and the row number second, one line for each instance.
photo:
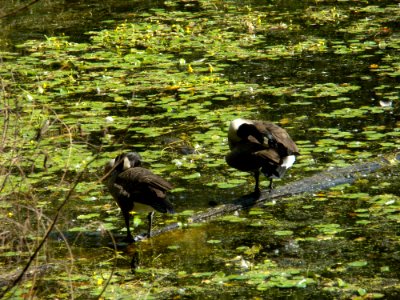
column 165, row 79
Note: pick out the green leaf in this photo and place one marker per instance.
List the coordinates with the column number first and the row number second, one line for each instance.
column 358, row 263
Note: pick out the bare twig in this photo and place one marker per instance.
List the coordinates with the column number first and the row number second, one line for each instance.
column 113, row 267
column 17, row 10
column 50, row 228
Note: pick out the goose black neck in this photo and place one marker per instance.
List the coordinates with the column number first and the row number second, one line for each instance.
column 245, row 130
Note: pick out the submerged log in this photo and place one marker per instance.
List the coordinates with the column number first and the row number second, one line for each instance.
column 315, row 183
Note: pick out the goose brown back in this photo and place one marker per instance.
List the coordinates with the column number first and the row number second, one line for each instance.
column 260, row 146
column 135, row 187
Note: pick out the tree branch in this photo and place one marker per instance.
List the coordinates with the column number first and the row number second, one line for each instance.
column 17, row 10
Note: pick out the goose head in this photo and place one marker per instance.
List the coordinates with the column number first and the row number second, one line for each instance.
column 234, row 127
column 123, row 162
column 241, row 129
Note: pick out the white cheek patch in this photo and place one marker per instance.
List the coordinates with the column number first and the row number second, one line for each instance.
column 235, row 124
column 288, row 161
column 126, row 164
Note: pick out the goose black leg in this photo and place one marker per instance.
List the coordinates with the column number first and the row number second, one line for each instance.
column 129, row 237
column 257, row 191
column 150, row 220
column 270, row 185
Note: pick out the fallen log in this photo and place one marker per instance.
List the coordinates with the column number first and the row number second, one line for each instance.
column 317, row 182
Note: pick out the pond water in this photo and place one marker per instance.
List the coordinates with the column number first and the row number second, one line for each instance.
column 164, row 78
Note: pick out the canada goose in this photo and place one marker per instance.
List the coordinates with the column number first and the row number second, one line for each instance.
column 260, row 146
column 135, row 187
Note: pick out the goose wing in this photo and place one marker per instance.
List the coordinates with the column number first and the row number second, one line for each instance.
column 145, row 187
column 138, row 177
column 276, row 137
column 269, row 155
